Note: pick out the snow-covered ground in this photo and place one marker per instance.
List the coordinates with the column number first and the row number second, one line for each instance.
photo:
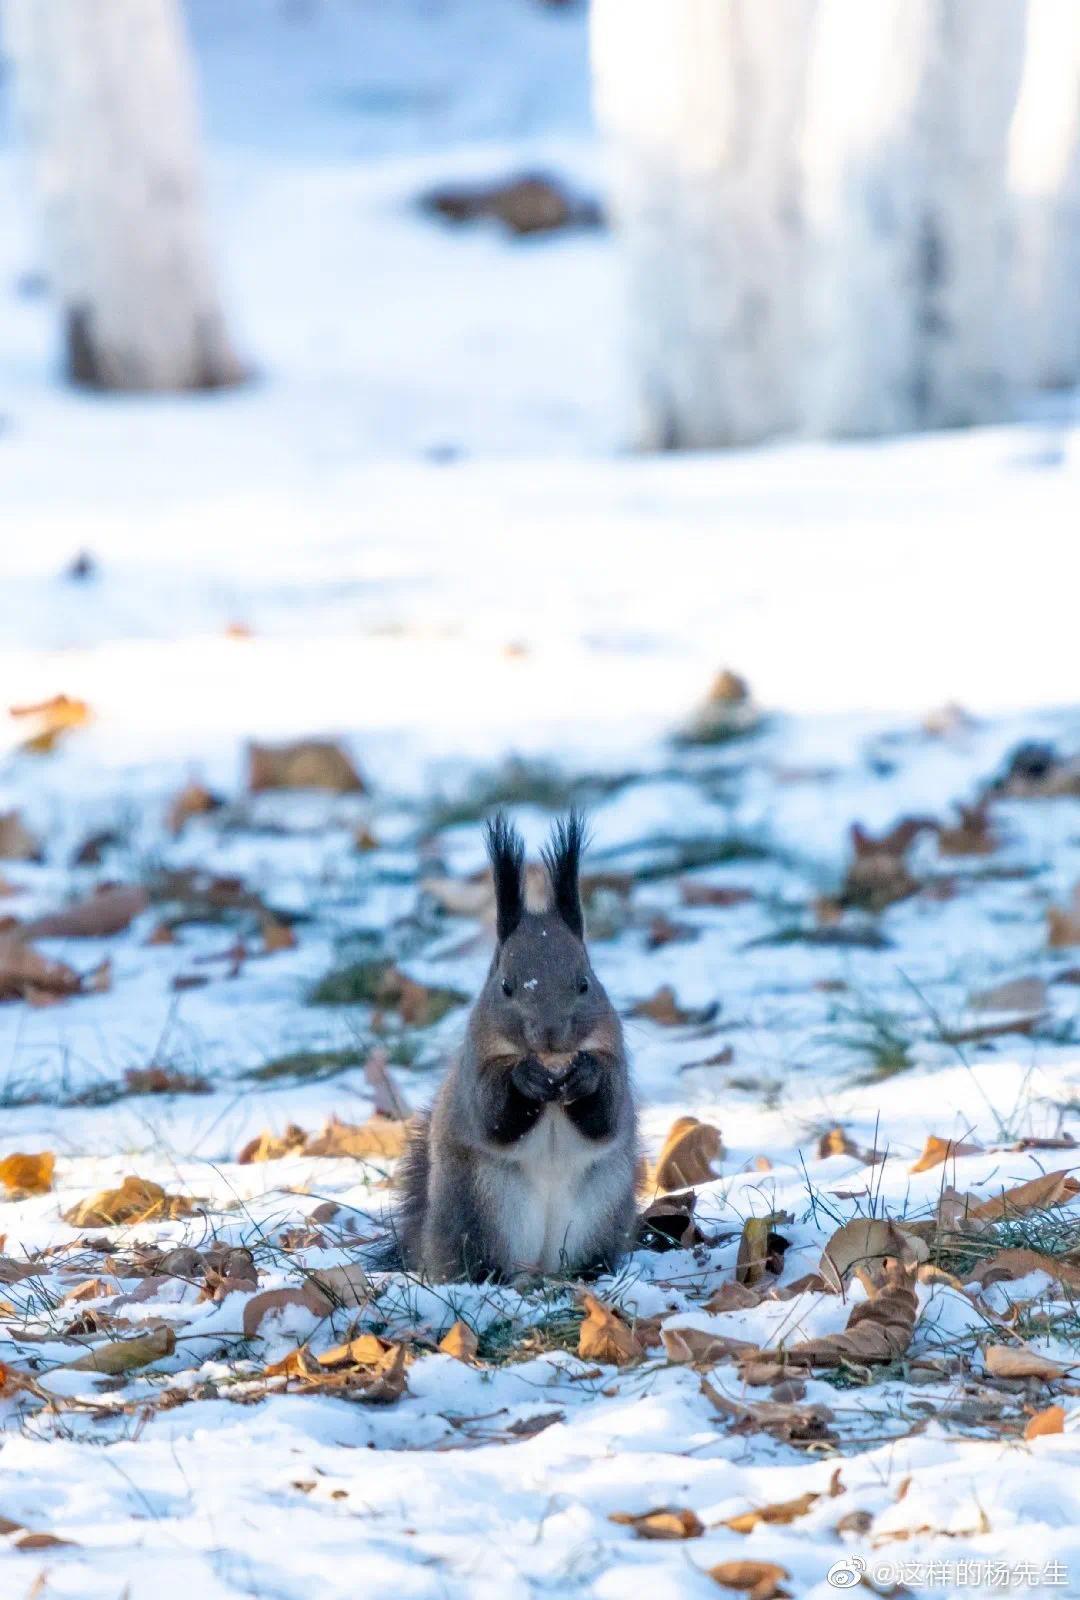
column 416, row 532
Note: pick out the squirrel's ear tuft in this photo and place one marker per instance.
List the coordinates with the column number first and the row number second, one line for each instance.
column 506, row 853
column 562, row 858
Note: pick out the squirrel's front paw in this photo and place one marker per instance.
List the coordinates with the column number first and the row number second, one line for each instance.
column 581, row 1079
column 532, row 1079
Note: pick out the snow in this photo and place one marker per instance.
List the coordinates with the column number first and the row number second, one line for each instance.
column 422, row 514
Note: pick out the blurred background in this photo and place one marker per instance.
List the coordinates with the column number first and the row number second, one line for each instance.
column 523, row 363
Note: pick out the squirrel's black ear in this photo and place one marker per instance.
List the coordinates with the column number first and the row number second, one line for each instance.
column 562, row 858
column 507, row 855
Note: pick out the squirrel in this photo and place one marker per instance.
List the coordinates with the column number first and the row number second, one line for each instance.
column 526, row 1162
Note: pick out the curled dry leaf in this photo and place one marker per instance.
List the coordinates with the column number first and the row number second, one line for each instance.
column 878, row 1330
column 972, row 835
column 17, row 843
column 939, row 1151
column 28, row 1174
column 666, row 1522
column 732, row 1296
column 460, row 1342
column 25, row 973
column 778, row 1515
column 605, row 1336
column 309, row 1297
column 1017, row 1361
column 761, row 1251
column 125, row 1355
column 136, row 1200
column 107, row 911
column 1039, row 1194
column 761, row 1580
column 688, row 1154
column 305, row 764
column 864, row 1241
column 667, row 1223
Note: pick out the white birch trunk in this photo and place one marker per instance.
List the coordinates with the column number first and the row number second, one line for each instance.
column 911, row 312
column 702, row 100
column 1044, row 173
column 106, row 98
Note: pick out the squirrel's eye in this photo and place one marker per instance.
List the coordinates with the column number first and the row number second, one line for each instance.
column 583, row 986
column 507, row 986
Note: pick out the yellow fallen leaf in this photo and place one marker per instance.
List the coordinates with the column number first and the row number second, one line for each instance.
column 939, row 1151
column 1052, row 1420
column 50, row 719
column 28, row 1174
column 460, row 1342
column 124, row 1355
column 384, row 1137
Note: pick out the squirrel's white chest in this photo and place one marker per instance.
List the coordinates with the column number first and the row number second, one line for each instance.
column 542, row 1197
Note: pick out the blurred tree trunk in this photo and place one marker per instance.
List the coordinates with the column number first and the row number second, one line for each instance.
column 911, row 308
column 1044, row 170
column 813, row 208
column 106, row 99
column 702, row 101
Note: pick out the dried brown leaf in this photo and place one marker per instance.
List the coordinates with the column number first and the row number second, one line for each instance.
column 17, row 843
column 383, row 1137
column 24, row 972
column 1008, row 1265
column 701, row 1348
column 346, row 1285
column 878, row 1330
column 688, row 1154
column 193, row 800
column 305, row 764
column 666, row 1522
column 270, row 1301
column 460, row 1342
column 136, row 1200
column 125, row 1355
column 107, row 911
column 777, row 1515
column 1052, row 1420
column 863, row 1242
column 604, row 1335
column 761, row 1580
column 761, row 1251
column 1017, row 1361
column 1038, row 1194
